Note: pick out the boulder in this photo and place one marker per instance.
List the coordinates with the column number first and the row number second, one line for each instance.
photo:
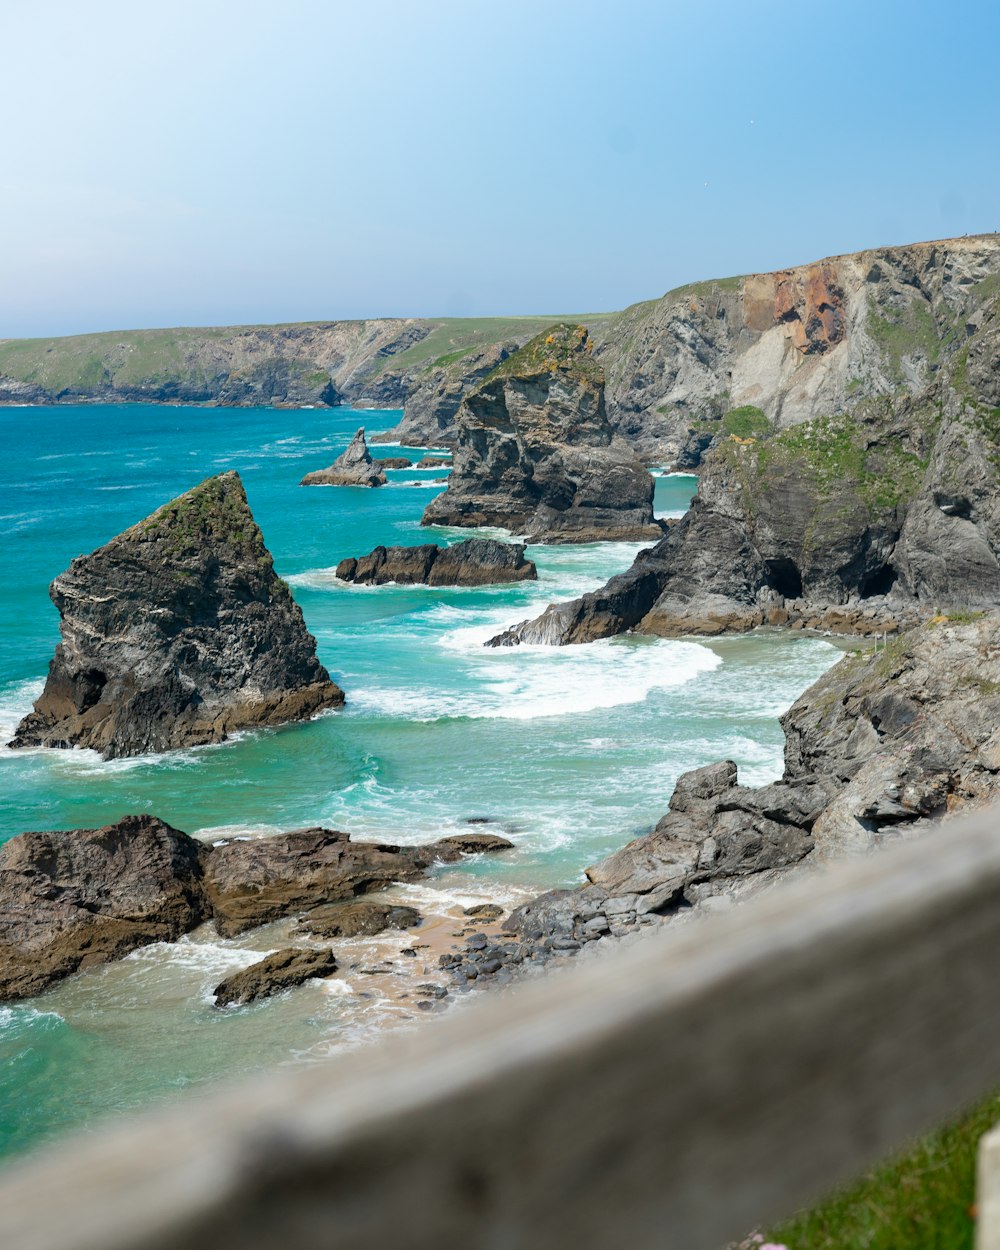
column 357, row 918
column 537, row 455
column 474, row 562
column 354, row 468
column 177, row 632
column 72, row 900
column 283, row 970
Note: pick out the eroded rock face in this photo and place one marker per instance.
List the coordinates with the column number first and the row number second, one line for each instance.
column 177, row 632
column 475, row 562
column 537, row 456
column 358, row 918
column 854, row 525
column 354, row 467
column 71, row 900
column 283, row 970
column 881, row 746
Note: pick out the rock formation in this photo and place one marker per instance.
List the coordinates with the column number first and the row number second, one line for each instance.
column 475, row 562
column 435, row 462
column 69, row 901
column 395, row 462
column 177, row 632
column 73, row 900
column 857, row 524
column 355, row 467
column 283, row 970
column 536, row 454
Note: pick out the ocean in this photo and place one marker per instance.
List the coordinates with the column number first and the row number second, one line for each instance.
column 569, row 752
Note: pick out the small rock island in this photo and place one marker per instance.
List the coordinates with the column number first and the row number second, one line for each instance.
column 537, row 455
column 176, row 633
column 354, row 468
column 474, row 562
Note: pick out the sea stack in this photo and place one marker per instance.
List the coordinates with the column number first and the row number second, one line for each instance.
column 177, row 632
column 537, row 456
column 474, row 562
column 354, row 468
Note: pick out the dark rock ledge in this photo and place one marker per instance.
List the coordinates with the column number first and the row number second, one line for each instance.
column 71, row 900
column 474, row 562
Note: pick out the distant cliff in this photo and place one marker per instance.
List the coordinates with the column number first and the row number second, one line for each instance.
column 801, row 343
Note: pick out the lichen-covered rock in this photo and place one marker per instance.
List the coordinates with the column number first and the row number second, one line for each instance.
column 474, row 562
column 536, row 454
column 72, row 900
column 283, row 970
column 175, row 633
column 354, row 467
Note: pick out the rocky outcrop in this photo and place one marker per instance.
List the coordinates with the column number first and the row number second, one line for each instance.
column 860, row 524
column 88, row 896
column 354, row 467
column 357, row 918
column 175, row 633
column 536, row 454
column 70, row 901
column 435, row 462
column 283, row 970
column 881, row 747
column 475, row 562
column 395, row 462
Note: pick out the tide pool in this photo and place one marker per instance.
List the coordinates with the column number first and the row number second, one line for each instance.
column 570, row 751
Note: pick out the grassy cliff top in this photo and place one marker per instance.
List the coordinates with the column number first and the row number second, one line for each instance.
column 561, row 348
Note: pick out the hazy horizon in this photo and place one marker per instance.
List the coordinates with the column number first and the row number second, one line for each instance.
column 190, row 165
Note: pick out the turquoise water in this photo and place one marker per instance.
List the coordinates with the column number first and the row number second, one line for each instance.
column 571, row 751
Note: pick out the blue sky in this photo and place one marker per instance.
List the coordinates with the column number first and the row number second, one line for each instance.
column 173, row 162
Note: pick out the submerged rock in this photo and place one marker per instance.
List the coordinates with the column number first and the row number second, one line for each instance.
column 537, row 455
column 175, row 633
column 355, row 467
column 72, row 900
column 474, row 562
column 281, row 971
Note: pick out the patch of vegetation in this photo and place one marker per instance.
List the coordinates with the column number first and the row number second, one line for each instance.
column 910, row 332
column 746, row 422
column 564, row 347
column 921, row 1200
column 990, row 689
column 215, row 510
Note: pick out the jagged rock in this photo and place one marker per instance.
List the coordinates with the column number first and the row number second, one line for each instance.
column 357, row 918
column 536, row 454
column 283, row 970
column 459, row 844
column 177, row 632
column 354, row 467
column 394, row 462
column 72, row 900
column 856, row 525
column 474, row 562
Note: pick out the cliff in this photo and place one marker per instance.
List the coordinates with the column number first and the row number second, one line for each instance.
column 536, row 454
column 800, row 343
column 177, row 632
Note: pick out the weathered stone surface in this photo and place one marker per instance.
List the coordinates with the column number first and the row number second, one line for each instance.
column 253, row 881
column 457, row 844
column 71, row 900
column 357, row 918
column 283, row 970
column 177, row 632
column 536, row 454
column 354, row 467
column 435, row 462
column 394, row 462
column 474, row 562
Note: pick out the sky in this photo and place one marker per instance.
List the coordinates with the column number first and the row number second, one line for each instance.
column 220, row 162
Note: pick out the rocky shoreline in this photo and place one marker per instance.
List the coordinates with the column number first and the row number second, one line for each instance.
column 474, row 562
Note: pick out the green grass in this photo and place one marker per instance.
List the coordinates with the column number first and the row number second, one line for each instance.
column 564, row 347
column 746, row 422
column 921, row 1200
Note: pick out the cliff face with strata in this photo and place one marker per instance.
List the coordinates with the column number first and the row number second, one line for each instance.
column 175, row 633
column 536, row 454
